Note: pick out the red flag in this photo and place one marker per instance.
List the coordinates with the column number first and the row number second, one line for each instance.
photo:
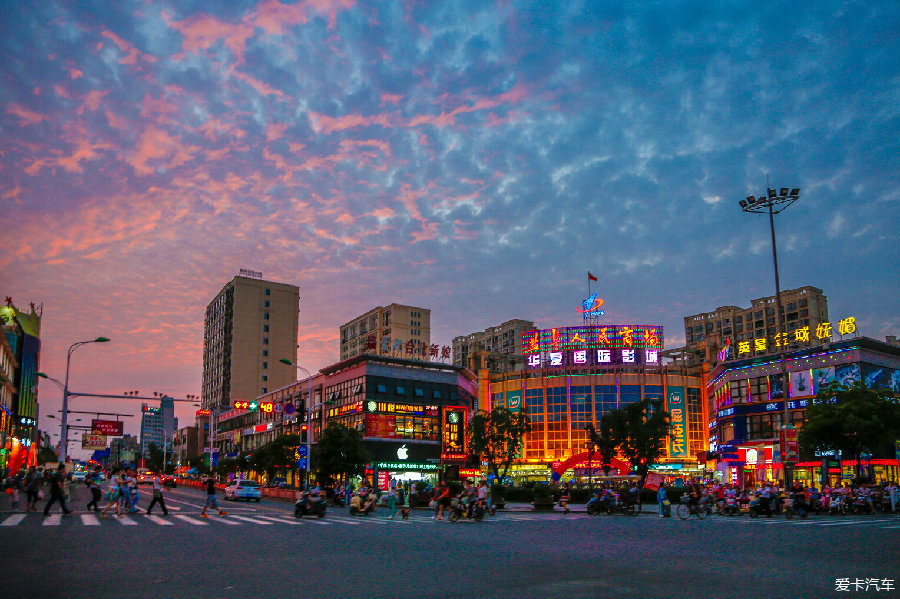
column 591, row 277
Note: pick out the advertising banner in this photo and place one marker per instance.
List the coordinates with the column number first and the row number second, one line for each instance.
column 514, row 401
column 678, row 434
column 789, row 447
column 653, row 481
column 92, row 441
column 454, row 430
column 110, row 428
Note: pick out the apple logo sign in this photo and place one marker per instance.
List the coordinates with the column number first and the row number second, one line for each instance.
column 402, row 453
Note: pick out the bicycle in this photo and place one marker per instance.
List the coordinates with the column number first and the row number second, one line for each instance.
column 687, row 508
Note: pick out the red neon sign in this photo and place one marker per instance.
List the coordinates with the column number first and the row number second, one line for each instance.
column 242, row 405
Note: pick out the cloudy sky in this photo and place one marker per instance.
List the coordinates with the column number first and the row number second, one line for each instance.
column 475, row 158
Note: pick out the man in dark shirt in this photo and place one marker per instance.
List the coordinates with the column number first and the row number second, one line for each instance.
column 211, row 497
column 57, row 491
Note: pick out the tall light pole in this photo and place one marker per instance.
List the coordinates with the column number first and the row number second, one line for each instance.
column 65, row 402
column 775, row 202
column 309, row 410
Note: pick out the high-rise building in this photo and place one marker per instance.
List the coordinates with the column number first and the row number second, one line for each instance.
column 502, row 341
column 158, row 425
column 250, row 325
column 731, row 329
column 394, row 330
column 18, row 429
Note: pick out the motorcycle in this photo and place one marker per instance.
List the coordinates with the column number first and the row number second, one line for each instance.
column 755, row 508
column 839, row 505
column 860, row 506
column 731, row 507
column 799, row 505
column 465, row 509
column 594, row 506
column 363, row 506
column 307, row 506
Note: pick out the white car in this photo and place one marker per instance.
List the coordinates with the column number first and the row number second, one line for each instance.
column 78, row 476
column 243, row 489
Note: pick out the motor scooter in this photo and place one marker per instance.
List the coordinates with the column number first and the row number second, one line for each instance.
column 465, row 509
column 594, row 506
column 731, row 507
column 306, row 506
column 362, row 506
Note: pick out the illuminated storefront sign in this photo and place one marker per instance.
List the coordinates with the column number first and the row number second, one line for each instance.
column 405, row 466
column 591, row 307
column 348, row 409
column 514, row 401
column 593, row 345
column 823, row 332
column 389, row 407
column 454, row 431
column 678, row 445
column 411, row 348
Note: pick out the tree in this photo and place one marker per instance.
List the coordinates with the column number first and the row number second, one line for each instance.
column 852, row 420
column 45, row 454
column 278, row 455
column 339, row 453
column 497, row 437
column 154, row 458
column 642, row 430
column 604, row 440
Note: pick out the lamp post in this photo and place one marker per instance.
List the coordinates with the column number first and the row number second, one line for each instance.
column 774, row 202
column 309, row 410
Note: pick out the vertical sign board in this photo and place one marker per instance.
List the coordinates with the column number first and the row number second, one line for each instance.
column 454, row 430
column 678, row 438
column 514, row 401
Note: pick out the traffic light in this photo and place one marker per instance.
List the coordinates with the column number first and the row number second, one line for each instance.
column 304, row 431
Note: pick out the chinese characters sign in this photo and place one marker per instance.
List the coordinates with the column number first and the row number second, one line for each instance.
column 823, row 332
column 593, row 345
column 678, row 434
column 411, row 349
column 453, row 431
column 111, row 428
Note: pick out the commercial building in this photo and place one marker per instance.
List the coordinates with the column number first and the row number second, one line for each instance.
column 249, row 326
column 497, row 348
column 158, row 424
column 412, row 413
column 746, row 409
column 18, row 419
column 574, row 375
column 395, row 330
column 185, row 445
column 736, row 332
column 124, row 450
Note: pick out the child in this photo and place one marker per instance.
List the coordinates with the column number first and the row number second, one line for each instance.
column 14, row 499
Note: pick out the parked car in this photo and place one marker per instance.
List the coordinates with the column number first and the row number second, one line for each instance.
column 169, row 480
column 243, row 489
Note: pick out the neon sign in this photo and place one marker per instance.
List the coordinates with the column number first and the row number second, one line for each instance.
column 591, row 307
column 823, row 332
column 593, row 345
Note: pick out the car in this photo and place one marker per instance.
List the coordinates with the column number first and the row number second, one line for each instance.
column 243, row 489
column 146, row 478
column 169, row 480
column 78, row 476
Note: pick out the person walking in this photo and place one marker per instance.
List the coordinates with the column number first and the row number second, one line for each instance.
column 564, row 498
column 94, row 483
column 113, row 494
column 57, row 491
column 210, row 484
column 661, row 498
column 392, row 501
column 33, row 482
column 158, row 496
column 413, row 495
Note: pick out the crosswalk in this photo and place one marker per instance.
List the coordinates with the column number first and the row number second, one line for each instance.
column 265, row 520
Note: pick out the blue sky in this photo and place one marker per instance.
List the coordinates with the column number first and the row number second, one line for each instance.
column 474, row 158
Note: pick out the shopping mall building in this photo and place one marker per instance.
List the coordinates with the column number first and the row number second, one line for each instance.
column 746, row 409
column 574, row 375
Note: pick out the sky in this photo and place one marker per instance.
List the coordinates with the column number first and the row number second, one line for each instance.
column 475, row 158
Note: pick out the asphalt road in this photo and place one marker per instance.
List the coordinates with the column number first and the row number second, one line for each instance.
column 260, row 550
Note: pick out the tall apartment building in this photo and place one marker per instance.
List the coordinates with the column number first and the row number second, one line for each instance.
column 394, row 330
column 250, row 325
column 158, row 425
column 756, row 327
column 504, row 339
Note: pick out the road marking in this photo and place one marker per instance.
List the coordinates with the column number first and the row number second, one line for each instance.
column 89, row 520
column 294, row 521
column 159, row 520
column 190, row 520
column 126, row 521
column 856, row 522
column 14, row 519
column 52, row 520
column 253, row 520
column 345, row 520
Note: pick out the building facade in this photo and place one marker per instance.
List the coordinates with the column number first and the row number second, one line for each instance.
column 22, row 332
column 185, row 445
column 753, row 331
column 411, row 413
column 501, row 343
column 746, row 409
column 124, row 450
column 394, row 330
column 250, row 325
column 158, row 425
column 574, row 375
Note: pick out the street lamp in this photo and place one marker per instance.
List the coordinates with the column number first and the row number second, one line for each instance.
column 309, row 410
column 774, row 202
column 65, row 402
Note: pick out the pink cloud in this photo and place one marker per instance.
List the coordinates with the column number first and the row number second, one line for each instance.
column 26, row 115
column 157, row 145
column 261, row 87
column 131, row 54
column 427, row 232
column 75, row 73
column 91, row 101
column 392, row 98
column 275, row 131
column 203, row 31
column 325, row 124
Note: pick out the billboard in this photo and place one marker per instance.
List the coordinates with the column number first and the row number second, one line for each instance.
column 453, row 431
column 92, row 441
column 110, row 428
column 514, row 401
column 678, row 434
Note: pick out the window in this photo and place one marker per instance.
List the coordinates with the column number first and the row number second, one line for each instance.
column 401, row 391
column 804, row 312
column 739, row 391
column 420, row 393
column 759, row 389
column 265, row 341
column 268, row 292
column 803, row 303
column 265, row 353
column 381, row 388
column 265, row 377
column 266, row 304
column 436, row 394
column 265, row 389
column 265, row 328
column 629, row 394
column 265, row 316
column 738, row 319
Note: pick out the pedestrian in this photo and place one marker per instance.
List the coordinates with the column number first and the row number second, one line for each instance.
column 443, row 501
column 392, row 501
column 133, row 493
column 113, row 494
column 413, row 495
column 57, row 491
column 662, row 499
column 94, row 483
column 158, row 496
column 14, row 496
column 564, row 498
column 33, row 482
column 210, row 484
